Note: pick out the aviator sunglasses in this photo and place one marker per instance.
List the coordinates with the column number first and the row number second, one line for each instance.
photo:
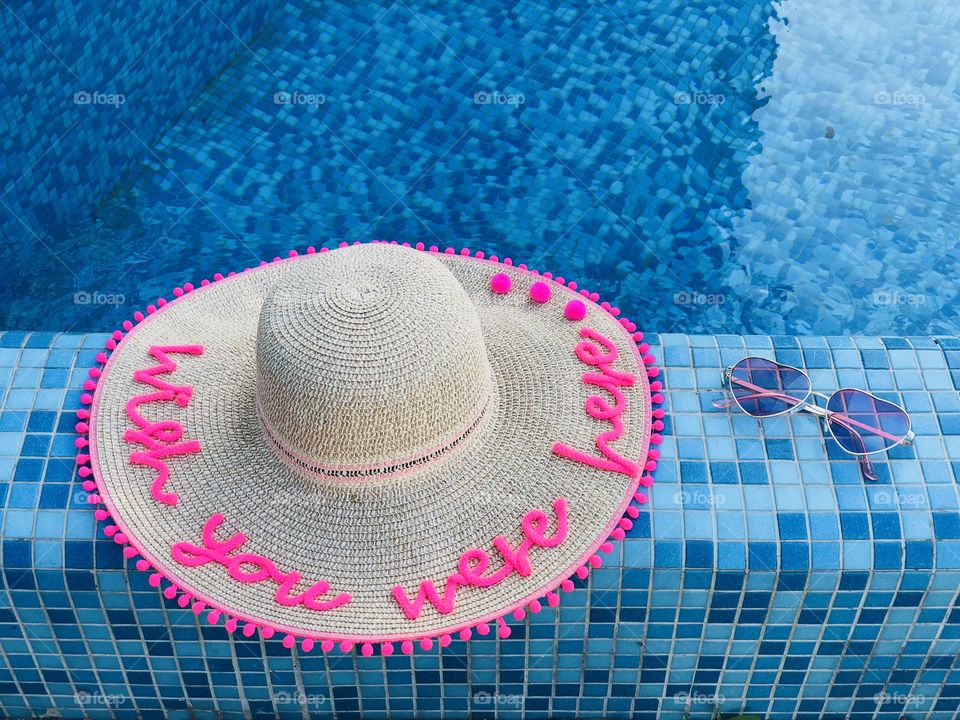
column 861, row 423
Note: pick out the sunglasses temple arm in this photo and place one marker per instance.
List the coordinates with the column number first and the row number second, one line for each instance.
column 729, row 402
column 866, row 465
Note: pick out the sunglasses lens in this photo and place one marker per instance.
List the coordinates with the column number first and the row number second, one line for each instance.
column 863, row 424
column 763, row 387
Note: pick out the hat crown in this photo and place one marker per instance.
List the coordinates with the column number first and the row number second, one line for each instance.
column 377, row 364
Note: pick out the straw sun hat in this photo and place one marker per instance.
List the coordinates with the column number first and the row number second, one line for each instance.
column 374, row 446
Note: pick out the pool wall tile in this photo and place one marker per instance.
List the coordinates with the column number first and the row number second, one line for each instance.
column 766, row 577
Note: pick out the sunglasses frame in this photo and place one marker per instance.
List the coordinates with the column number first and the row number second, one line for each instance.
column 804, row 405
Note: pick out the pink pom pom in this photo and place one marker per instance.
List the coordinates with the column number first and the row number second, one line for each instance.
column 213, row 617
column 445, row 639
column 535, row 607
column 311, row 250
column 406, row 647
column 183, row 600
column 198, row 607
column 327, row 645
column 426, row 643
column 567, row 585
column 418, row 246
column 618, row 534
column 170, row 592
column 540, row 292
column 289, row 641
column 507, row 261
column 110, row 530
column 656, row 438
column 501, row 283
column 595, row 561
column 659, row 413
column 519, row 614
column 582, row 572
column 83, row 414
column 479, row 255
column 129, row 552
column 575, row 310
column 346, row 646
column 606, row 547
column 249, row 629
column 120, row 538
column 465, row 252
column 366, row 650
column 657, row 399
column 594, row 296
column 267, row 632
column 466, row 634
column 89, row 385
column 640, row 497
column 143, row 565
column 292, row 253
column 154, row 580
column 553, row 599
column 83, row 459
column 633, row 512
column 86, row 398
column 483, row 629
column 84, row 471
column 138, row 316
column 387, row 648
column 178, row 292
column 307, row 644
column 504, row 631
column 101, row 514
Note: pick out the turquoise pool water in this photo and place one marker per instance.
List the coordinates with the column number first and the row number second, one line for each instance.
column 747, row 168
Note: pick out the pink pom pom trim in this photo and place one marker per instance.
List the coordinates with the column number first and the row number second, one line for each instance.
column 540, row 292
column 501, row 283
column 575, row 310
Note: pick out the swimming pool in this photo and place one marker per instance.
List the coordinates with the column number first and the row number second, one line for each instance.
column 753, row 169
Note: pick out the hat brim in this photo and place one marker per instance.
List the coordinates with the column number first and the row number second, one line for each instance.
column 365, row 538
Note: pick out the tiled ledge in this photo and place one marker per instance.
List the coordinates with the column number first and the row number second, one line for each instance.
column 768, row 577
